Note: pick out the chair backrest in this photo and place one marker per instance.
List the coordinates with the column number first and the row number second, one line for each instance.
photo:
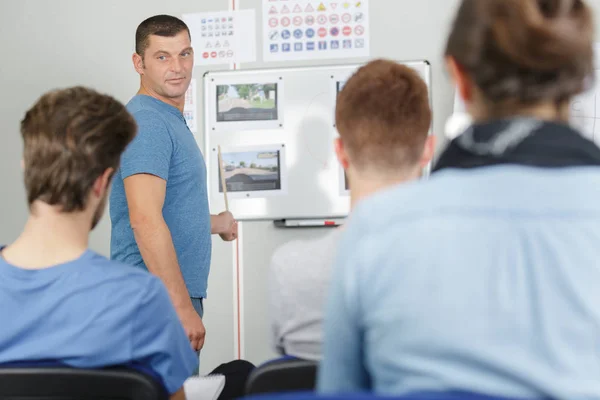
column 65, row 383
column 284, row 375
column 452, row 395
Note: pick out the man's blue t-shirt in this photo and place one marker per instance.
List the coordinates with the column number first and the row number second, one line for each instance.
column 90, row 313
column 165, row 147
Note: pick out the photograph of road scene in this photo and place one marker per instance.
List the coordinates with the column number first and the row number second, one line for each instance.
column 251, row 102
column 251, row 171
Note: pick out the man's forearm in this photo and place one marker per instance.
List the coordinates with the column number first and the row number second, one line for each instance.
column 156, row 246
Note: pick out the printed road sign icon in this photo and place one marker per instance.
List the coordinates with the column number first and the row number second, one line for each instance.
column 359, row 30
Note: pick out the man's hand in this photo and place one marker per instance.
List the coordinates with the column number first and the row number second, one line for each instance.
column 225, row 225
column 194, row 327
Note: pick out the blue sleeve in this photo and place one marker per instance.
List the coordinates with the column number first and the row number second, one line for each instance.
column 159, row 340
column 342, row 369
column 151, row 149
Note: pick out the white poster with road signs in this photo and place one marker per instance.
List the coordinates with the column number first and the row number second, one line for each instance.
column 190, row 108
column 223, row 37
column 313, row 29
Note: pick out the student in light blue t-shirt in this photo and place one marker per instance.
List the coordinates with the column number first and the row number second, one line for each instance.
column 485, row 278
column 62, row 302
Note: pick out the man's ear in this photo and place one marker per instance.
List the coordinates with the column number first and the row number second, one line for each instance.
column 138, row 63
column 463, row 84
column 341, row 153
column 428, row 151
column 102, row 182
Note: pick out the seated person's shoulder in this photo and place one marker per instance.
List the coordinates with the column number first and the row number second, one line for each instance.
column 123, row 276
column 158, row 340
column 304, row 252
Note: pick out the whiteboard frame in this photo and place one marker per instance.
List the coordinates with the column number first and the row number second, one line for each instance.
column 338, row 72
column 342, row 181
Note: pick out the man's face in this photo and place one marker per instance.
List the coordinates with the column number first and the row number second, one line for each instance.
column 167, row 65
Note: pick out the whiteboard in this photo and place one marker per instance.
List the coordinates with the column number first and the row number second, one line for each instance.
column 275, row 129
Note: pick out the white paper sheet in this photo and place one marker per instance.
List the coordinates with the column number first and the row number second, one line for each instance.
column 311, row 29
column 190, row 109
column 223, row 37
column 204, row 387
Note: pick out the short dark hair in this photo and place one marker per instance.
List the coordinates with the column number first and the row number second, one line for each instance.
column 523, row 52
column 159, row 25
column 383, row 115
column 71, row 137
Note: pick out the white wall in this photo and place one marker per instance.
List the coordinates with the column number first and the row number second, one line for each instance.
column 49, row 44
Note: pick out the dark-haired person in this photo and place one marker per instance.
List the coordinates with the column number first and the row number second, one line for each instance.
column 60, row 301
column 159, row 203
column 383, row 118
column 485, row 278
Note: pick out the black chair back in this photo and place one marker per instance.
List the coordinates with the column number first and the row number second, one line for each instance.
column 283, row 376
column 64, row 383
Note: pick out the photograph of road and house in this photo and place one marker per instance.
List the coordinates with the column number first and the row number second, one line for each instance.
column 251, row 171
column 248, row 102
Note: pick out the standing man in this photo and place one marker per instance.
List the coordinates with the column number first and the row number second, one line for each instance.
column 159, row 203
